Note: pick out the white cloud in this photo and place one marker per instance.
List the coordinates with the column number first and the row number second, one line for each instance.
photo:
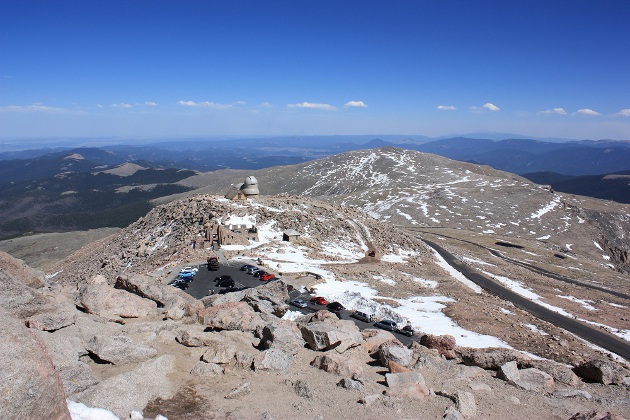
column 586, row 111
column 99, row 105
column 446, row 107
column 150, row 103
column 554, row 111
column 121, row 105
column 204, row 104
column 325, row 107
column 36, row 107
column 486, row 107
column 240, row 103
column 491, row 107
column 623, row 113
column 358, row 104
column 265, row 105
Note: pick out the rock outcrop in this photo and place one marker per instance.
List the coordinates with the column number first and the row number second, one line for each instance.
column 30, row 386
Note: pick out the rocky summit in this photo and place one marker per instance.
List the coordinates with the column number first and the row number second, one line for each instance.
column 103, row 331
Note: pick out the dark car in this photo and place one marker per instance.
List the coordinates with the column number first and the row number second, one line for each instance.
column 406, row 330
column 259, row 273
column 222, row 278
column 246, row 267
column 335, row 307
column 387, row 324
column 226, row 283
column 181, row 285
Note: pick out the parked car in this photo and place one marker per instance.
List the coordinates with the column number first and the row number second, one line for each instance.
column 266, row 276
column 318, row 300
column 221, row 278
column 406, row 330
column 387, row 324
column 362, row 316
column 247, row 267
column 335, row 307
column 175, row 282
column 226, row 283
column 181, row 285
column 186, row 276
column 189, row 270
column 259, row 273
column 299, row 303
column 252, row 270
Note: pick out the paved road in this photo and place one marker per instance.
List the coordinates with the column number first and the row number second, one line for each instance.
column 532, row 267
column 593, row 335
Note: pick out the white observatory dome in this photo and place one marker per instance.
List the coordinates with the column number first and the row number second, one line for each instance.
column 250, row 186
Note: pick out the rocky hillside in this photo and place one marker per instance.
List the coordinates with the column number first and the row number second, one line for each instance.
column 164, row 237
column 410, row 188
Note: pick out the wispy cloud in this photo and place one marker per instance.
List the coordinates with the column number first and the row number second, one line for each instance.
column 446, row 107
column 122, row 105
column 357, row 104
column 623, row 113
column 265, row 105
column 310, row 105
column 486, row 107
column 204, row 104
column 36, row 107
column 554, row 111
column 586, row 111
column 150, row 103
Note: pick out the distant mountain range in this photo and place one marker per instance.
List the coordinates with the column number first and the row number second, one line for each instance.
column 59, row 189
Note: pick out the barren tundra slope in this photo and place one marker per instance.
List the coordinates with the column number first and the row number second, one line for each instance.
column 414, row 189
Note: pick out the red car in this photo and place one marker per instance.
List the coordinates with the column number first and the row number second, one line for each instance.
column 266, row 276
column 319, row 300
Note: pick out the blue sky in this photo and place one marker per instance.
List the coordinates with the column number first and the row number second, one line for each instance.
column 184, row 68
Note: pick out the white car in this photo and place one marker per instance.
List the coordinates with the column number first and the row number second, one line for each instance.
column 189, row 270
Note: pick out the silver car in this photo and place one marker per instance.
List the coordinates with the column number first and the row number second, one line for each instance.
column 299, row 303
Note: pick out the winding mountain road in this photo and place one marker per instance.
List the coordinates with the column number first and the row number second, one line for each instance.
column 593, row 335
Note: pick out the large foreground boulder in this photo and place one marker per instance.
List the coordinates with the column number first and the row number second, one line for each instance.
column 30, row 387
column 373, row 338
column 177, row 303
column 65, row 351
column 230, row 316
column 529, row 379
column 132, row 390
column 328, row 333
column 105, row 301
column 444, row 344
column 25, row 274
column 269, row 298
column 20, row 300
column 603, row 371
column 53, row 321
column 408, row 385
column 337, row 364
column 119, row 350
column 283, row 335
column 489, row 358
